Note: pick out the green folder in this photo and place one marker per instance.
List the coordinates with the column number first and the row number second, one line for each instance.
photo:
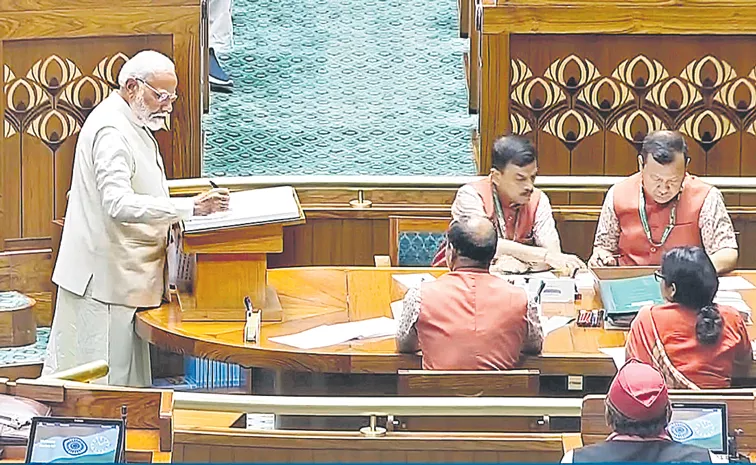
column 623, row 296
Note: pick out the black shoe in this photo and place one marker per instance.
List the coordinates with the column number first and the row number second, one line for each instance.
column 219, row 80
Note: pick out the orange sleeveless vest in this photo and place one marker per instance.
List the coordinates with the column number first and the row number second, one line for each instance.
column 524, row 231
column 524, row 227
column 634, row 246
column 471, row 320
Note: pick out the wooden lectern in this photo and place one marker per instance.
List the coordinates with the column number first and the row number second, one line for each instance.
column 232, row 264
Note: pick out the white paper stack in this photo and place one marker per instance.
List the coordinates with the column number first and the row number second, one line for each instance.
column 617, row 354
column 328, row 335
column 734, row 300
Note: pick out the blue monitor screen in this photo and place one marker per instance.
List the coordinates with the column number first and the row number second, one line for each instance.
column 65, row 442
column 702, row 427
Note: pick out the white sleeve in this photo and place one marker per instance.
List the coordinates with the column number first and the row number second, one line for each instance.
column 608, row 228
column 545, row 233
column 467, row 203
column 567, row 457
column 113, row 169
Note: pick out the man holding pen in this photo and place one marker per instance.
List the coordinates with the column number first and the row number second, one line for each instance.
column 662, row 207
column 118, row 219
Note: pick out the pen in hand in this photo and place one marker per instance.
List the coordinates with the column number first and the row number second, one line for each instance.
column 214, row 186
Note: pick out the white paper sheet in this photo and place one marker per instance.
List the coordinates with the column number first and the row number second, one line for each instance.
column 328, row 335
column 617, row 354
column 585, row 280
column 734, row 283
column 551, row 324
column 396, row 310
column 250, row 207
column 413, row 280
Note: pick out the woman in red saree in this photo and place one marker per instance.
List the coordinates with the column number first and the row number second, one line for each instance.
column 692, row 341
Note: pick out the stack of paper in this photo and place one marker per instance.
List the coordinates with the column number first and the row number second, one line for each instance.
column 328, row 335
column 585, row 280
column 257, row 206
column 734, row 283
column 734, row 300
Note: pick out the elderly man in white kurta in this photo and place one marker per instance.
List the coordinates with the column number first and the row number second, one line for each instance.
column 118, row 219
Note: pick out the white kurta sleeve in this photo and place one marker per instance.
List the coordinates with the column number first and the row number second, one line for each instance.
column 113, row 168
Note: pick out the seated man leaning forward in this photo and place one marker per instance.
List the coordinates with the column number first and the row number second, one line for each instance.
column 521, row 214
column 662, row 207
column 638, row 412
column 469, row 319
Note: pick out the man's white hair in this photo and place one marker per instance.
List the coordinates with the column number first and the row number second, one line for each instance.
column 145, row 65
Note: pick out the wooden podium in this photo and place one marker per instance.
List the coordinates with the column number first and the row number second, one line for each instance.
column 231, row 264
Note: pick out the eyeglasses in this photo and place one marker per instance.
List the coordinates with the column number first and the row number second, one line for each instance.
column 659, row 276
column 162, row 96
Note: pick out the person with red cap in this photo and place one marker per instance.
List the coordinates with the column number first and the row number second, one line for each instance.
column 638, row 411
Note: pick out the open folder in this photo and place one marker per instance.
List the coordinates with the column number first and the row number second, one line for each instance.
column 251, row 207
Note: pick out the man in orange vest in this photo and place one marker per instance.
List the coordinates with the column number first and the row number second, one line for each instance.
column 469, row 319
column 521, row 214
column 662, row 207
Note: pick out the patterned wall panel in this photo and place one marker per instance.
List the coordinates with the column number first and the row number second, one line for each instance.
column 590, row 100
column 49, row 89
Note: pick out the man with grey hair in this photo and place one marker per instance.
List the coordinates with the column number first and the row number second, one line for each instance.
column 662, row 207
column 113, row 249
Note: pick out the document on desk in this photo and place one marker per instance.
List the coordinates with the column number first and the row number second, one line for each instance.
column 585, row 280
column 551, row 324
column 396, row 310
column 413, row 280
column 734, row 283
column 250, row 207
column 629, row 295
column 617, row 354
column 328, row 335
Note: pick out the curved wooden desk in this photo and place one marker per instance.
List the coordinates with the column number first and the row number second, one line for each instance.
column 314, row 296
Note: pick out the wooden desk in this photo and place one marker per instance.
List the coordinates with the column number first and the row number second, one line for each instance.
column 314, row 296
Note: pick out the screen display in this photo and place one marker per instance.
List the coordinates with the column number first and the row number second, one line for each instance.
column 67, row 442
column 702, row 427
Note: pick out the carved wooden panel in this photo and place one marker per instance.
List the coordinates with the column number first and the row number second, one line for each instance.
column 590, row 100
column 49, row 88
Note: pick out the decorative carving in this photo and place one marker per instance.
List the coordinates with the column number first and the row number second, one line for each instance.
column 571, row 127
column 628, row 72
column 519, row 124
column 573, row 100
column 707, row 128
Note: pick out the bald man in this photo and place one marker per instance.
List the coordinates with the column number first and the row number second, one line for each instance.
column 469, row 319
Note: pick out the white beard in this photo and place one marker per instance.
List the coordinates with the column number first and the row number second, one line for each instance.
column 153, row 121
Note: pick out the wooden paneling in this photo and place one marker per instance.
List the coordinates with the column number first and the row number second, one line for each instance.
column 512, row 383
column 326, row 241
column 220, row 445
column 58, row 64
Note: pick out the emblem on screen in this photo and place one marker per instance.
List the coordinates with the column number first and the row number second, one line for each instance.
column 74, row 446
column 680, row 431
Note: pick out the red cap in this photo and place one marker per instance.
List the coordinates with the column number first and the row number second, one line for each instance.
column 638, row 391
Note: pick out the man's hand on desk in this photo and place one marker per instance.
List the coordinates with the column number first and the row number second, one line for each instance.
column 602, row 257
column 564, row 262
column 506, row 264
column 212, row 201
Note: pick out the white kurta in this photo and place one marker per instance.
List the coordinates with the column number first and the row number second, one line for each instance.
column 220, row 24
column 113, row 248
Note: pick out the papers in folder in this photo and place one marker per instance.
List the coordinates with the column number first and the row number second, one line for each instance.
column 257, row 206
column 624, row 296
column 328, row 335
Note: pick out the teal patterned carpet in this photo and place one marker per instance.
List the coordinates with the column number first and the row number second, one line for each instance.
column 342, row 87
